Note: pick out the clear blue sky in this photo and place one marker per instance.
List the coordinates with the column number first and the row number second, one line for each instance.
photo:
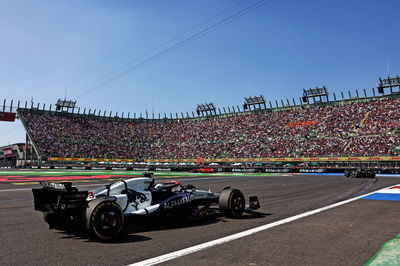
column 275, row 50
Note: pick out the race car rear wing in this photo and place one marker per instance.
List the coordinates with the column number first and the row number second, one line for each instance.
column 56, row 197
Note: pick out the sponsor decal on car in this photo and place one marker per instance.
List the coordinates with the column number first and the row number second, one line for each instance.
column 53, row 185
column 76, row 195
column 138, row 198
column 178, row 202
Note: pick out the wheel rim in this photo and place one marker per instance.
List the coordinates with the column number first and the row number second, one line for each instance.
column 237, row 205
column 107, row 221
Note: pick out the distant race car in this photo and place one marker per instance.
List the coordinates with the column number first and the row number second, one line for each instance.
column 205, row 170
column 360, row 173
column 104, row 212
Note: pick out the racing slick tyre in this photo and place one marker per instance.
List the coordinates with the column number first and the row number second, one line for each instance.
column 231, row 203
column 51, row 219
column 104, row 219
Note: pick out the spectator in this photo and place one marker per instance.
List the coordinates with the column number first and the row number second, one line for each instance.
column 351, row 129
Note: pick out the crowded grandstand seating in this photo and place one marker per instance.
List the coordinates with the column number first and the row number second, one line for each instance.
column 344, row 129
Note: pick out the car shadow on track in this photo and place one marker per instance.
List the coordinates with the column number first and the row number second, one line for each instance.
column 126, row 237
column 212, row 218
column 133, row 234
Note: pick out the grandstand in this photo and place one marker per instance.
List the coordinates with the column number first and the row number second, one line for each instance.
column 358, row 129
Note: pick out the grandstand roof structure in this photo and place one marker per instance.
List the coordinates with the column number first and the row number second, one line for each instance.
column 12, row 106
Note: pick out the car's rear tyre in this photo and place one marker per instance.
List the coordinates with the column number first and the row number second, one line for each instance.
column 52, row 219
column 231, row 203
column 104, row 220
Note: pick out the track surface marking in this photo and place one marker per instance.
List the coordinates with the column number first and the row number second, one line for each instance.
column 190, row 250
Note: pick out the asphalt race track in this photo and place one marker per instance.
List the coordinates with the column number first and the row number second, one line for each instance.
column 349, row 234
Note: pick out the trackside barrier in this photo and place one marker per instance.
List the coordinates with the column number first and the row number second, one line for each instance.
column 229, row 169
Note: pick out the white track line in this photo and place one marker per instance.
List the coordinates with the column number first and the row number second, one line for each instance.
column 190, row 250
column 14, row 189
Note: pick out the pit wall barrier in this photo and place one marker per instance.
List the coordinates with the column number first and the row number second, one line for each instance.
column 267, row 170
column 131, row 164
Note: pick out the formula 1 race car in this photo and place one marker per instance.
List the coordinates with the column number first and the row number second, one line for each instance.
column 360, row 173
column 104, row 212
column 205, row 170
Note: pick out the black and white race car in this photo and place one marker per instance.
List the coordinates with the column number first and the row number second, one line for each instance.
column 360, row 173
column 106, row 211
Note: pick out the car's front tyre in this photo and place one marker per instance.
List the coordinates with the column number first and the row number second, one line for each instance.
column 231, row 203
